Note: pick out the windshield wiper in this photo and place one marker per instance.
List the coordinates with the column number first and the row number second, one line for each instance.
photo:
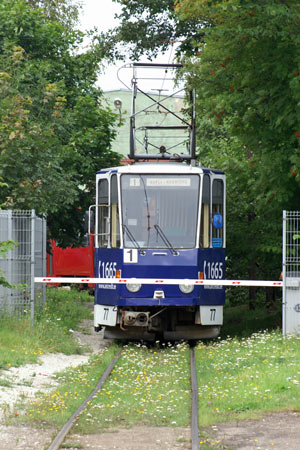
column 166, row 240
column 133, row 240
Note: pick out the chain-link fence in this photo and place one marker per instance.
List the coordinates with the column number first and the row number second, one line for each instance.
column 21, row 264
column 291, row 272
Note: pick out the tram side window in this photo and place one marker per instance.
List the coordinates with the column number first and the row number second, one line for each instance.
column 103, row 209
column 217, row 213
column 115, row 223
column 205, row 213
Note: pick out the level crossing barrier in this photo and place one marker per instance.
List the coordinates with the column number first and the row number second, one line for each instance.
column 156, row 281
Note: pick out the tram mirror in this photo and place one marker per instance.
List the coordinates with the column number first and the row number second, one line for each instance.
column 89, row 217
column 217, row 221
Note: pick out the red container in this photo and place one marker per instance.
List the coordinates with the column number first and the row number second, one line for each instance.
column 71, row 261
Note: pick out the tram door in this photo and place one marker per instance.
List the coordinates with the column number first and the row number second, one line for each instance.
column 107, row 216
column 108, row 261
column 212, row 226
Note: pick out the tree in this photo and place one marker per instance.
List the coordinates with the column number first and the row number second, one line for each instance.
column 54, row 133
column 247, row 81
column 248, row 71
column 243, row 59
column 64, row 11
column 147, row 27
column 5, row 246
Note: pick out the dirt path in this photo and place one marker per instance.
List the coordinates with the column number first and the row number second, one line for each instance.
column 278, row 431
column 272, row 431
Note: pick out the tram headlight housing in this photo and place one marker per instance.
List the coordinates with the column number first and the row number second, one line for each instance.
column 186, row 288
column 133, row 287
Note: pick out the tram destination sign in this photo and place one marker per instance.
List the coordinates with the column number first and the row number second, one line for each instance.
column 161, row 182
column 169, row 182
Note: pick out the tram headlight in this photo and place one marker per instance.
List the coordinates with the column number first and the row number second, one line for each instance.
column 186, row 288
column 133, row 287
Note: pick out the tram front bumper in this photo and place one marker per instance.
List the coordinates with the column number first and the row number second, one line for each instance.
column 159, row 301
column 188, row 333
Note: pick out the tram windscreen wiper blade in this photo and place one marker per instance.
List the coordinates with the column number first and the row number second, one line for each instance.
column 133, row 240
column 166, row 240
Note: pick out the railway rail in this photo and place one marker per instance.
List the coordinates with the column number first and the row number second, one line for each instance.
column 60, row 437
column 62, row 434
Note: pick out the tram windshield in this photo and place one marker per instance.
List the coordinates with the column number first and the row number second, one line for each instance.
column 160, row 211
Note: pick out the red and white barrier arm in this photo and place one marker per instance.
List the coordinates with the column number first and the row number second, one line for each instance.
column 78, row 280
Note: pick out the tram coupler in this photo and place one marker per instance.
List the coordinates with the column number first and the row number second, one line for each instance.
column 135, row 318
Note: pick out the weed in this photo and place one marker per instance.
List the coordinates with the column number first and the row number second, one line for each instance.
column 74, row 445
column 5, row 383
column 20, row 343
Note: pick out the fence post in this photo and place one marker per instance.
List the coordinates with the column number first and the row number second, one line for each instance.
column 284, row 273
column 32, row 266
column 44, row 253
column 9, row 256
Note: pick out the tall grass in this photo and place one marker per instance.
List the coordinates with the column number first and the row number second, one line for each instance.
column 239, row 378
column 20, row 343
column 241, row 321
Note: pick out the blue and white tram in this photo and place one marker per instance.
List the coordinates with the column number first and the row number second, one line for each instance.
column 162, row 217
column 160, row 220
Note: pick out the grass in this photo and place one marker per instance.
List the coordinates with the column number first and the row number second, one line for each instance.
column 240, row 375
column 75, row 384
column 20, row 343
column 4, row 382
column 241, row 378
column 238, row 378
column 240, row 321
column 149, row 386
column 139, row 390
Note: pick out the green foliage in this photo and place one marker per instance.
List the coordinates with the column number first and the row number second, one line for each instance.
column 240, row 322
column 147, row 27
column 243, row 59
column 5, row 246
column 246, row 78
column 54, row 133
column 65, row 309
column 63, row 11
column 20, row 343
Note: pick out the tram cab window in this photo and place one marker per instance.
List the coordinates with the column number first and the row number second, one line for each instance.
column 205, row 213
column 103, row 214
column 114, row 213
column 217, row 213
column 160, row 210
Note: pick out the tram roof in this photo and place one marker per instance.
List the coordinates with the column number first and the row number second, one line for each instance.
column 155, row 167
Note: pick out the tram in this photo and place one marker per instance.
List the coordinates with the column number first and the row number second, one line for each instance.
column 161, row 216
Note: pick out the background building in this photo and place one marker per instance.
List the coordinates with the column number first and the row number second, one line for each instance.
column 120, row 102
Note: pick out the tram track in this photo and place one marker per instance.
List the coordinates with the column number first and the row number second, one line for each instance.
column 62, row 434
column 60, row 437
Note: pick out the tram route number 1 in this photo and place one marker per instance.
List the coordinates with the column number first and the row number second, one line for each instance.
column 130, row 255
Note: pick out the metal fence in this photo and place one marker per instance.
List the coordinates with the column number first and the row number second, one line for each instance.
column 291, row 272
column 25, row 261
